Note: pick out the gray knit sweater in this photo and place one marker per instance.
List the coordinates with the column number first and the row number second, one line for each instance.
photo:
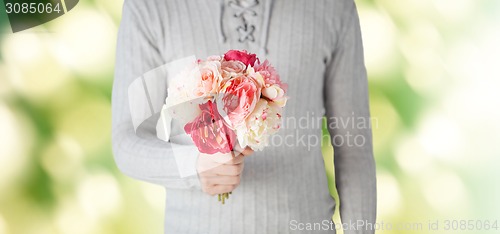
column 316, row 47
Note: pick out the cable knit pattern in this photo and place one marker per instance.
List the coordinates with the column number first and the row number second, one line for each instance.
column 316, row 47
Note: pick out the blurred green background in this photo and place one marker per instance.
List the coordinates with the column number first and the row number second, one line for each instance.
column 435, row 92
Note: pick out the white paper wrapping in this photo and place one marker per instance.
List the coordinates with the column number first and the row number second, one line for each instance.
column 147, row 96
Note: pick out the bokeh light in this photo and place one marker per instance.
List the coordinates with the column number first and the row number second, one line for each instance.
column 434, row 91
column 86, row 39
column 16, row 140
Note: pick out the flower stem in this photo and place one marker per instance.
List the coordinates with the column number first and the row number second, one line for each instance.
column 223, row 197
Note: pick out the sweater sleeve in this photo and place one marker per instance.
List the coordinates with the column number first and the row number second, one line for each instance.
column 346, row 99
column 142, row 155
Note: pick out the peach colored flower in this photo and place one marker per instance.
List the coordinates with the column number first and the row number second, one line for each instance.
column 232, row 69
column 215, row 58
column 256, row 76
column 211, row 78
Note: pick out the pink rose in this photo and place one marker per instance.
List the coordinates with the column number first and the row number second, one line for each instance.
column 271, row 76
column 209, row 131
column 210, row 78
column 232, row 68
column 238, row 99
column 242, row 56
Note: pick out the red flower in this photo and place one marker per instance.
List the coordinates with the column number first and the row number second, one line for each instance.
column 242, row 56
column 209, row 131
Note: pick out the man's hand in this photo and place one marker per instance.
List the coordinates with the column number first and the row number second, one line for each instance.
column 221, row 173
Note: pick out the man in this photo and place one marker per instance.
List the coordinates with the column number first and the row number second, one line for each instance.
column 317, row 49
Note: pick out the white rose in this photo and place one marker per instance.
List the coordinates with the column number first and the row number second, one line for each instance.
column 264, row 121
column 182, row 100
column 276, row 94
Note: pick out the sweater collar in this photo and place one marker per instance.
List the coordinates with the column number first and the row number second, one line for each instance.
column 243, row 10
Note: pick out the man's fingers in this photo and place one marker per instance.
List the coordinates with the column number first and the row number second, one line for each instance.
column 222, row 170
column 218, row 178
column 247, row 151
column 224, row 180
column 211, row 181
column 206, row 166
column 235, row 157
column 227, row 159
column 222, row 158
column 229, row 170
column 219, row 189
column 236, row 160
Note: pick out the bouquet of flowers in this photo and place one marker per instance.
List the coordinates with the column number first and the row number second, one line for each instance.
column 228, row 100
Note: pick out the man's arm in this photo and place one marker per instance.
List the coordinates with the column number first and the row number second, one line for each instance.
column 346, row 98
column 146, row 157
